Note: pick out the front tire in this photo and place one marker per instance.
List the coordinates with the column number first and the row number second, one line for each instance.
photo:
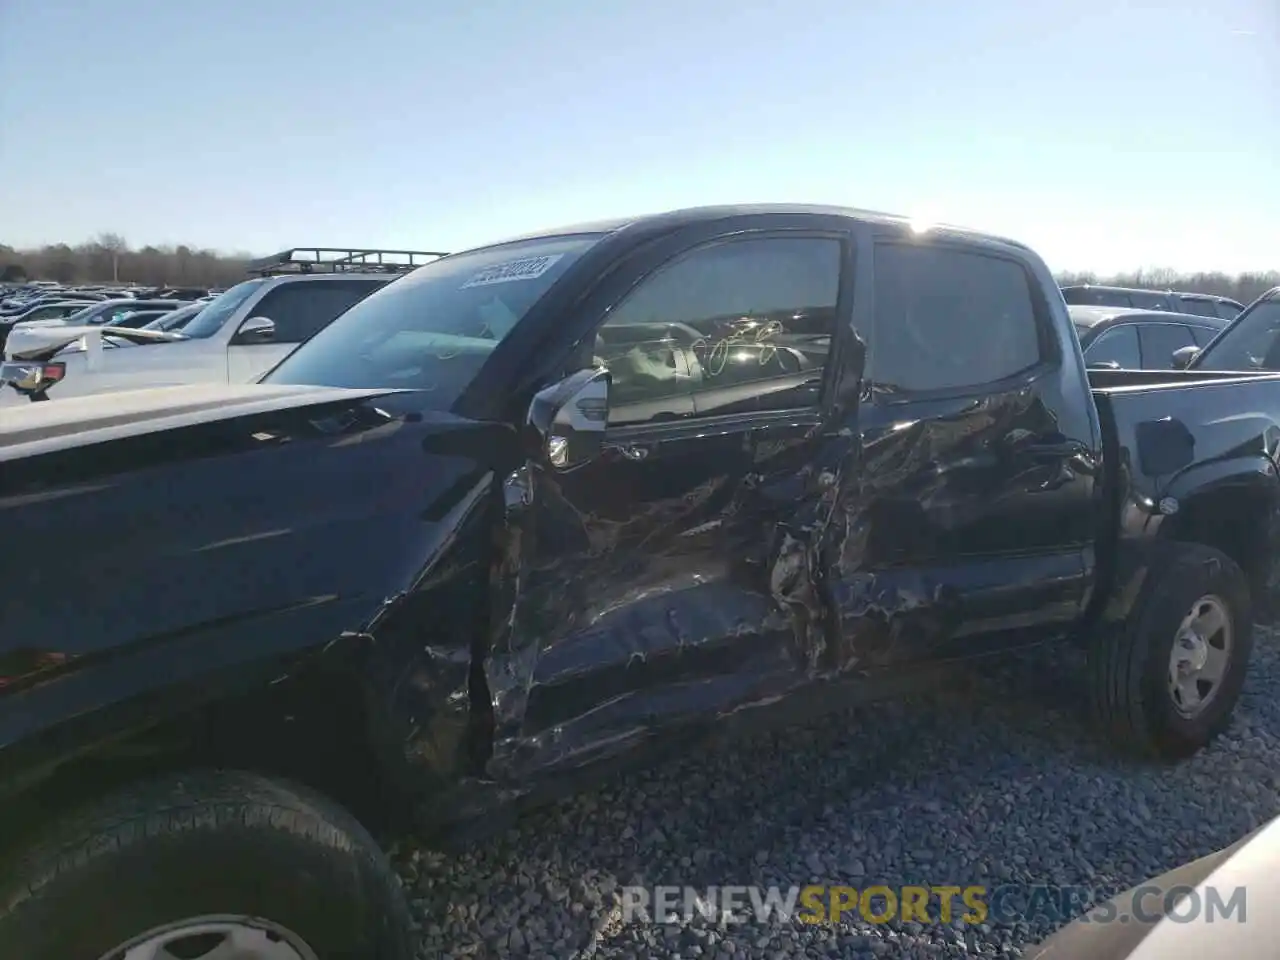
column 205, row 862
column 1166, row 682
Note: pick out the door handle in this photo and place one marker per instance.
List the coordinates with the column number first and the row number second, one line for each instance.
column 631, row 451
column 1065, row 454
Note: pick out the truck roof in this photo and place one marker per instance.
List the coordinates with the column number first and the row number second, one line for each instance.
column 687, row 216
column 1089, row 315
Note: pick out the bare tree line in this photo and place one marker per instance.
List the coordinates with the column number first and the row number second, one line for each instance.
column 108, row 258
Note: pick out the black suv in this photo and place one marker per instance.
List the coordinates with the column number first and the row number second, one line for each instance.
column 1138, row 339
column 1200, row 304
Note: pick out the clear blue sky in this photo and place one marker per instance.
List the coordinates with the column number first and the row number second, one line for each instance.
column 1109, row 134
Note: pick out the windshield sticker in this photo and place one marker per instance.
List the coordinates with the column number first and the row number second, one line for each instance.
column 528, row 268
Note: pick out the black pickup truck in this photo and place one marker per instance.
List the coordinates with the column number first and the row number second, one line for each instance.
column 547, row 507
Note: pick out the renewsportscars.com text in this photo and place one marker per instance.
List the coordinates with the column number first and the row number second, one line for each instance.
column 942, row 904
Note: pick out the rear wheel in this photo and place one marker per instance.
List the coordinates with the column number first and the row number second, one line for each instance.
column 1166, row 682
column 209, row 866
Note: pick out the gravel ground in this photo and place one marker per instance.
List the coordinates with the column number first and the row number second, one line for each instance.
column 997, row 780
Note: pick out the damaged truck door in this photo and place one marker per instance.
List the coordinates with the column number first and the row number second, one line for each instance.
column 973, row 522
column 673, row 578
column 748, row 528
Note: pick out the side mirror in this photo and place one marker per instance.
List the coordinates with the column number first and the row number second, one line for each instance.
column 1183, row 356
column 1102, row 365
column 569, row 418
column 256, row 330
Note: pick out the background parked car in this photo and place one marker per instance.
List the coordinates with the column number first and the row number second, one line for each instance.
column 239, row 335
column 1200, row 304
column 32, row 329
column 56, row 310
column 1138, row 339
column 1251, row 342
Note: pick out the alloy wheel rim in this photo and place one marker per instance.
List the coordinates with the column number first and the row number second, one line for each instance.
column 1200, row 656
column 215, row 938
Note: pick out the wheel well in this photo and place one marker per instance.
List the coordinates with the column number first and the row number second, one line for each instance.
column 1236, row 521
column 315, row 731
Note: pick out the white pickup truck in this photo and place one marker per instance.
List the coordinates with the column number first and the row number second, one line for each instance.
column 236, row 338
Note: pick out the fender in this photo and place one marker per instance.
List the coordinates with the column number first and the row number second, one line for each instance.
column 1233, row 505
column 216, row 549
column 1230, row 504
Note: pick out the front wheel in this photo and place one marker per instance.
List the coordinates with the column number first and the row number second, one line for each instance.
column 1165, row 684
column 206, row 866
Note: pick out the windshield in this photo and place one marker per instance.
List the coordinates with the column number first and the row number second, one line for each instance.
column 134, row 318
column 175, row 320
column 1252, row 342
column 86, row 314
column 218, row 310
column 433, row 329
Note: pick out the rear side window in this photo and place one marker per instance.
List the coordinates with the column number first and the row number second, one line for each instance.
column 301, row 309
column 947, row 318
column 1227, row 311
column 1118, row 345
column 1160, row 340
column 1150, row 300
column 1201, row 308
column 1095, row 297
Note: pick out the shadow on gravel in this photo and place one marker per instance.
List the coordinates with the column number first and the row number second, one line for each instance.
column 997, row 779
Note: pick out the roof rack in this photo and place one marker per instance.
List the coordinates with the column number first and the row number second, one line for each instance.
column 340, row 260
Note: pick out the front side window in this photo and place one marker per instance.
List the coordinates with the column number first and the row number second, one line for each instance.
column 219, row 310
column 1251, row 343
column 301, row 308
column 1160, row 340
column 1201, row 308
column 949, row 319
column 1149, row 300
column 433, row 329
column 1118, row 345
column 733, row 327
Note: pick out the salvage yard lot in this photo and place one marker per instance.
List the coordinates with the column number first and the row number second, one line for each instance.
column 995, row 780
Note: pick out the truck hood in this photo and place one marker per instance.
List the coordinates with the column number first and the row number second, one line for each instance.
column 79, row 421
column 175, row 559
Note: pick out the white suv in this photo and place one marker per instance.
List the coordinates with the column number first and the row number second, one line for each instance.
column 236, row 338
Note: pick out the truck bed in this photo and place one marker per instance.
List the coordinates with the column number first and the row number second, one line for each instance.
column 1108, row 381
column 1180, row 446
column 1166, row 422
